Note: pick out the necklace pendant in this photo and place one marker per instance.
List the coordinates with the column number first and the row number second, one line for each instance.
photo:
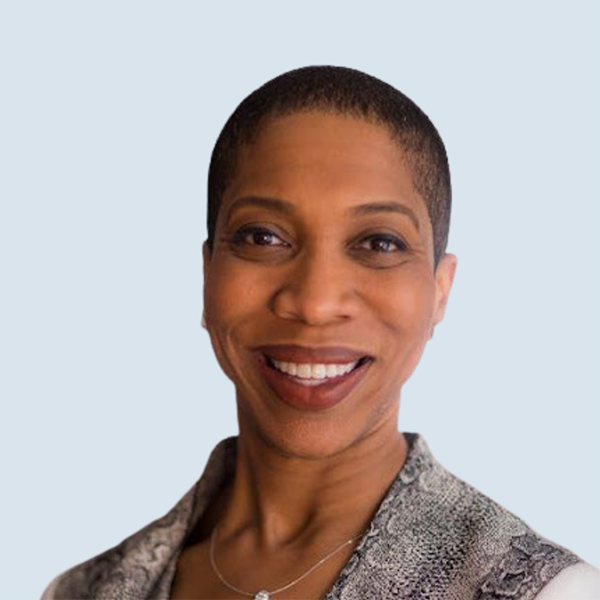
column 262, row 595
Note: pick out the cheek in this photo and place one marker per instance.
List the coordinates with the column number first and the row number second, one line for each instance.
column 406, row 314
column 234, row 298
column 231, row 291
column 408, row 301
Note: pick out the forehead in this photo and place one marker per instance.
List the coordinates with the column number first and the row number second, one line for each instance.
column 314, row 159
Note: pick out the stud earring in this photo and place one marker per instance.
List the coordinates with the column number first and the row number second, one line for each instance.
column 203, row 322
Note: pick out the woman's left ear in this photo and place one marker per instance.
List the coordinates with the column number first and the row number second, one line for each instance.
column 206, row 256
column 444, row 276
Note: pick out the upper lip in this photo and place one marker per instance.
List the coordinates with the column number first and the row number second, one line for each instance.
column 304, row 354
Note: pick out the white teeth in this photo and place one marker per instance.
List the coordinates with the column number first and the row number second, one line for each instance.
column 314, row 371
column 304, row 372
column 331, row 370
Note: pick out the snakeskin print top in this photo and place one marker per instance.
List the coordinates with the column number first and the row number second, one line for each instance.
column 433, row 537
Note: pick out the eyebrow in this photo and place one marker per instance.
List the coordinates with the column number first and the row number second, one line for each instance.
column 287, row 208
column 274, row 204
column 387, row 207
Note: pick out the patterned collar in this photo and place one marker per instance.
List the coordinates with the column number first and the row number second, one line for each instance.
column 433, row 537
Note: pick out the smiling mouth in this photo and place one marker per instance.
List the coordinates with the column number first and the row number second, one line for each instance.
column 313, row 386
column 315, row 374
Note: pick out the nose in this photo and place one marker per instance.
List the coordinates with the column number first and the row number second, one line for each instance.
column 318, row 289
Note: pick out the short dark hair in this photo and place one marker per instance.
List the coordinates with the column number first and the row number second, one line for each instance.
column 345, row 91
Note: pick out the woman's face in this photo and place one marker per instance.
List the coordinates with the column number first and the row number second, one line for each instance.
column 323, row 266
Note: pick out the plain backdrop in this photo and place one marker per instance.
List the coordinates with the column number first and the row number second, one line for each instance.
column 111, row 396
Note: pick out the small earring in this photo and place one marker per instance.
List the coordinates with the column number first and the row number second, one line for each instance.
column 431, row 334
column 203, row 322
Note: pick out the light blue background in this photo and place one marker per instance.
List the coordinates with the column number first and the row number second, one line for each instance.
column 111, row 395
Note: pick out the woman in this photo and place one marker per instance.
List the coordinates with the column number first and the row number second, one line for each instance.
column 325, row 274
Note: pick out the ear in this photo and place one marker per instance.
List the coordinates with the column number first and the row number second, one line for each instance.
column 206, row 256
column 444, row 276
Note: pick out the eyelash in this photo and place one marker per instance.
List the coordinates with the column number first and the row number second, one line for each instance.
column 240, row 235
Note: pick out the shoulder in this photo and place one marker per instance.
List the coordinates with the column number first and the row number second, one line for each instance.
column 140, row 566
column 437, row 536
column 500, row 554
column 132, row 568
column 577, row 582
column 80, row 582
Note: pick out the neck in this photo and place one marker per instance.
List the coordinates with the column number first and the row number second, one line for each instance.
column 280, row 500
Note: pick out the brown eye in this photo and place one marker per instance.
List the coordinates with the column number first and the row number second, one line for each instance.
column 384, row 244
column 256, row 236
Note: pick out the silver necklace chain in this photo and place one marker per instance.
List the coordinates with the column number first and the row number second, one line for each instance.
column 263, row 594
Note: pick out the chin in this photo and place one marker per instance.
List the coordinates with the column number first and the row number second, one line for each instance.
column 312, row 445
column 306, row 437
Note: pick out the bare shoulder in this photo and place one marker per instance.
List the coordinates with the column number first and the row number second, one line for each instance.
column 580, row 581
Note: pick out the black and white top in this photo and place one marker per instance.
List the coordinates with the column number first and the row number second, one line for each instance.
column 433, row 537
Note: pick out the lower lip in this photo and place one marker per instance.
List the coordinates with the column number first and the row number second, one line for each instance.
column 313, row 397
